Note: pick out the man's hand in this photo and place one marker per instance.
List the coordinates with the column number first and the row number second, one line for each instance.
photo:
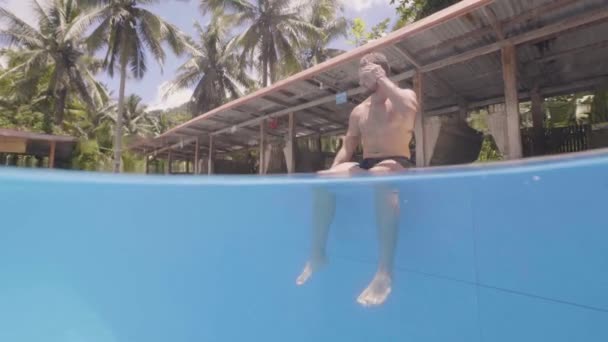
column 369, row 76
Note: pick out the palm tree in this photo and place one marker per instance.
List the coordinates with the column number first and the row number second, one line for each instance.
column 56, row 45
column 213, row 68
column 135, row 117
column 127, row 31
column 325, row 15
column 275, row 34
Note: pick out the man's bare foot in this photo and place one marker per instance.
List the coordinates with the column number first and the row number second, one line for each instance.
column 309, row 269
column 377, row 291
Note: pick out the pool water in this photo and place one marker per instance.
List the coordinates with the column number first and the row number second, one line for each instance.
column 515, row 252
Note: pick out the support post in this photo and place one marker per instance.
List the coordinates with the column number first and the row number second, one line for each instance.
column 169, row 163
column 210, row 162
column 538, row 118
column 291, row 153
column 509, row 71
column 197, row 149
column 52, row 155
column 419, row 124
column 463, row 111
column 147, row 164
column 262, row 147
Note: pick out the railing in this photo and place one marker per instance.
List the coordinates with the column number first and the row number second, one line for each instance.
column 574, row 138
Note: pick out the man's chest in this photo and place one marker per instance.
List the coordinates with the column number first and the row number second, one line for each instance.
column 379, row 122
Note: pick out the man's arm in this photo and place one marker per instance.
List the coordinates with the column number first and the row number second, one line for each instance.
column 351, row 141
column 404, row 100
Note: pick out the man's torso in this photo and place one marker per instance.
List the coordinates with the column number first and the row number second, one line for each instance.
column 384, row 133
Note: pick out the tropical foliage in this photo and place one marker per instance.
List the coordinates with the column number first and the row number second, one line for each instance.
column 127, row 31
column 213, row 68
column 359, row 35
column 52, row 55
column 274, row 35
column 412, row 10
column 328, row 17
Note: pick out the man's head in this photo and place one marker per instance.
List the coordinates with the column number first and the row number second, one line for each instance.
column 372, row 58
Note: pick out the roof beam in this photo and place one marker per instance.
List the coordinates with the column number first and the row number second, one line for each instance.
column 595, row 46
column 303, row 106
column 307, row 111
column 180, row 145
column 581, row 85
column 441, row 82
column 520, row 18
column 549, row 30
column 494, row 22
column 193, row 130
column 310, row 112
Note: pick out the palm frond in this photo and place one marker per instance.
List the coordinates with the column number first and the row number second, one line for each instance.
column 18, row 31
column 99, row 38
column 78, row 27
column 237, row 6
column 150, row 32
column 114, row 49
column 136, row 55
column 44, row 22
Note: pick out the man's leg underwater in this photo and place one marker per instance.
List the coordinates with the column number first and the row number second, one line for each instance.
column 387, row 217
column 324, row 207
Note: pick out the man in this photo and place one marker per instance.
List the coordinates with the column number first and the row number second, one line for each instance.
column 384, row 125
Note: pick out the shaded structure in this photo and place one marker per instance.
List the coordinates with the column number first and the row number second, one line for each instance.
column 474, row 54
column 57, row 148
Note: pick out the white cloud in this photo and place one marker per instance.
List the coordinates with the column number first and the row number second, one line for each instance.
column 174, row 100
column 361, row 5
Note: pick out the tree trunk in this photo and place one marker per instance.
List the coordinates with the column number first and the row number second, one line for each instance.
column 265, row 73
column 51, row 109
column 60, row 106
column 119, row 117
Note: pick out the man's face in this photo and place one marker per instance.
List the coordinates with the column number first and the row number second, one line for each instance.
column 367, row 79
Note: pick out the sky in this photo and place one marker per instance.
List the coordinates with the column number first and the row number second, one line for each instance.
column 183, row 13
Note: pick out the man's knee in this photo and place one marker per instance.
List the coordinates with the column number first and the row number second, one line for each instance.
column 393, row 199
column 341, row 169
column 387, row 166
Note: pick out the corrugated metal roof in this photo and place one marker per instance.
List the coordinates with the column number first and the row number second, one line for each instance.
column 555, row 61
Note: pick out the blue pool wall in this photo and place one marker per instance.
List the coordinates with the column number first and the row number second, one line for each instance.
column 510, row 252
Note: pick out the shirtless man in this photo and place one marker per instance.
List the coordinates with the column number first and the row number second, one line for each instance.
column 384, row 125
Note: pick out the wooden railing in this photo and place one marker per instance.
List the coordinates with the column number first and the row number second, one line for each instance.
column 574, row 138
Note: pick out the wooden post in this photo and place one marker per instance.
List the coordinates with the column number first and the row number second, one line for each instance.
column 262, row 146
column 169, row 164
column 187, row 166
column 291, row 136
column 147, row 164
column 210, row 165
column 52, row 155
column 509, row 72
column 197, row 149
column 538, row 118
column 419, row 125
column 463, row 112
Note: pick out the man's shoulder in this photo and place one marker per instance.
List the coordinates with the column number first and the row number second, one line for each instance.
column 361, row 107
